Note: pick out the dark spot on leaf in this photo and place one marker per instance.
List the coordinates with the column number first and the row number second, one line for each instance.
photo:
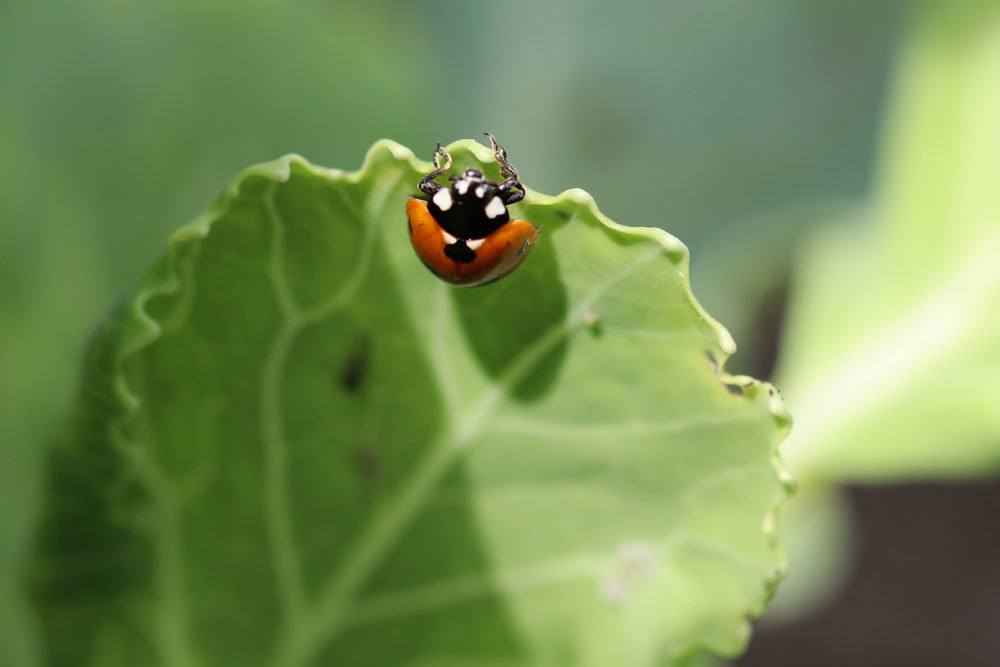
column 734, row 389
column 562, row 215
column 354, row 372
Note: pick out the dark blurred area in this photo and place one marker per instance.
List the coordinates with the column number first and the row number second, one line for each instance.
column 923, row 590
column 738, row 127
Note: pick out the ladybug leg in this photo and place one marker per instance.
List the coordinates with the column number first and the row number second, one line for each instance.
column 508, row 194
column 442, row 163
column 511, row 191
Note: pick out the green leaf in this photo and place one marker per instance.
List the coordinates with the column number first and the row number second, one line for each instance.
column 892, row 348
column 295, row 446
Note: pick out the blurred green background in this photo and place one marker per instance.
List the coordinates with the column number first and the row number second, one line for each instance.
column 739, row 127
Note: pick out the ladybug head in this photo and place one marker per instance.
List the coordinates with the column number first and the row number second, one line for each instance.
column 472, row 184
column 472, row 175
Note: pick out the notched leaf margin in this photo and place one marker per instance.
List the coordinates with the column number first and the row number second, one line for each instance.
column 743, row 386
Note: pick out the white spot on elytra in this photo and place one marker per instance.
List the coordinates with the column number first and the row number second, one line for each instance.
column 633, row 561
column 481, row 191
column 443, row 199
column 462, row 186
column 475, row 245
column 494, row 208
column 448, row 237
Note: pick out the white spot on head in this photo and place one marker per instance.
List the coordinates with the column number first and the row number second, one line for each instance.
column 475, row 245
column 495, row 208
column 462, row 186
column 442, row 198
column 481, row 191
column 448, row 238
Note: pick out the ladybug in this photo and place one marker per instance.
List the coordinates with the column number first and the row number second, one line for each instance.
column 463, row 232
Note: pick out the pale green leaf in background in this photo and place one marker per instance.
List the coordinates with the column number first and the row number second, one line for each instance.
column 294, row 445
column 893, row 346
column 892, row 349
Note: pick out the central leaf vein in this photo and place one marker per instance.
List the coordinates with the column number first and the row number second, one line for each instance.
column 331, row 614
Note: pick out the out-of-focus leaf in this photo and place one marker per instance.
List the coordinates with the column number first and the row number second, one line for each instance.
column 744, row 270
column 119, row 119
column 893, row 346
column 296, row 446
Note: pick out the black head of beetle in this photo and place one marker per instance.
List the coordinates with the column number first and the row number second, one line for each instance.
column 471, row 207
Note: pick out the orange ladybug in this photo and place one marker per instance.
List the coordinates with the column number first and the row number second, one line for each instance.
column 463, row 233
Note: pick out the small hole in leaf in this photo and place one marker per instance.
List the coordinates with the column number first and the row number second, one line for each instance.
column 713, row 362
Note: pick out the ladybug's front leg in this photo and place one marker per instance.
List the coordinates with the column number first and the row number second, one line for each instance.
column 510, row 192
column 442, row 163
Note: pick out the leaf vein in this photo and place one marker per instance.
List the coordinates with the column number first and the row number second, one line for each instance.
column 330, row 615
column 577, row 430
column 174, row 642
column 277, row 507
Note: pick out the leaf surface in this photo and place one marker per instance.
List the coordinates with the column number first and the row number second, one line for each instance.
column 295, row 446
